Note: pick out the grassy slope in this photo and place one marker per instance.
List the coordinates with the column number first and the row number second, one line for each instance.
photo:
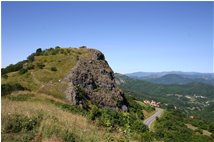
column 44, row 80
column 45, row 85
column 53, row 119
column 42, row 107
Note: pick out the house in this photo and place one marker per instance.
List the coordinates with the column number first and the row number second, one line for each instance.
column 152, row 103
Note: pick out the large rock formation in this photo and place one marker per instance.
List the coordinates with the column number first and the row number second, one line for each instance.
column 92, row 81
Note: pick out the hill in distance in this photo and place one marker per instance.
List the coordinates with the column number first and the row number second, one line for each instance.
column 193, row 98
column 174, row 77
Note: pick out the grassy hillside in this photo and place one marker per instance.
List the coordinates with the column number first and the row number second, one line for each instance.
column 34, row 107
column 28, row 116
column 45, row 72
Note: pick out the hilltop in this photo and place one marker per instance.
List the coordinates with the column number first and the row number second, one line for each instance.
column 66, row 94
column 82, row 76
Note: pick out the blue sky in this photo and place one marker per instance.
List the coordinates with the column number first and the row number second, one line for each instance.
column 134, row 36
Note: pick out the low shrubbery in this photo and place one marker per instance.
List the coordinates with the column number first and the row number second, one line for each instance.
column 22, row 71
column 20, row 97
column 26, row 128
column 40, row 65
column 106, row 117
column 11, row 68
column 70, row 108
column 16, row 123
column 171, row 127
column 9, row 88
column 53, row 69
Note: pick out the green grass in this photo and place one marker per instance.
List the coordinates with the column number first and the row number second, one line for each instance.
column 43, row 79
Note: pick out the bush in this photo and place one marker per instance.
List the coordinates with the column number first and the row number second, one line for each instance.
column 40, row 65
column 53, row 69
column 20, row 97
column 138, row 126
column 16, row 123
column 23, row 71
column 31, row 58
column 57, row 47
column 83, row 47
column 30, row 66
column 110, row 118
column 13, row 68
column 94, row 112
column 147, row 137
column 9, row 88
column 5, row 76
column 69, row 108
column 38, row 51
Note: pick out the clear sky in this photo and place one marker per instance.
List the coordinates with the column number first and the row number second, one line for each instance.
column 134, row 36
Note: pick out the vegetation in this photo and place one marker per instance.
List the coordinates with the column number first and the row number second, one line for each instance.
column 171, row 127
column 34, row 107
column 53, row 69
column 184, row 97
column 9, row 88
column 13, row 68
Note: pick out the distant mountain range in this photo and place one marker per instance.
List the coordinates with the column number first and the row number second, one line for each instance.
column 193, row 98
column 174, row 77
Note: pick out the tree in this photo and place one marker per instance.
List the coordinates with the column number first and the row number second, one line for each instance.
column 31, row 57
column 39, row 50
column 57, row 47
column 23, row 71
column 82, row 47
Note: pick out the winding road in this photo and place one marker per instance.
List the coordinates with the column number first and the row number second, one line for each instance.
column 152, row 118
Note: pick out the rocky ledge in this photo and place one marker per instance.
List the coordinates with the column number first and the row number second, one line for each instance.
column 92, row 81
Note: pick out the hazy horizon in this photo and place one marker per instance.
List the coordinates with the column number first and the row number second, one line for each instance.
column 134, row 36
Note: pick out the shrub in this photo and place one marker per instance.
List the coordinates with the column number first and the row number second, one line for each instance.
column 147, row 137
column 69, row 108
column 8, row 88
column 53, row 69
column 16, row 123
column 20, row 97
column 40, row 65
column 83, row 47
column 5, row 76
column 57, row 47
column 31, row 57
column 12, row 68
column 94, row 112
column 38, row 51
column 109, row 117
column 30, row 66
column 23, row 71
column 138, row 126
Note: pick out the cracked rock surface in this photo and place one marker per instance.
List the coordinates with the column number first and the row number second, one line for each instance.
column 92, row 81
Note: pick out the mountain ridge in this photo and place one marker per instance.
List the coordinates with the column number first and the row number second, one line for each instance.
column 174, row 77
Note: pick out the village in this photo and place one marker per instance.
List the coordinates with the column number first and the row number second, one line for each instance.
column 152, row 103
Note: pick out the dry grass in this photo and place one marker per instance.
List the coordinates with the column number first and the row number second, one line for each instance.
column 45, row 85
column 80, row 126
column 205, row 132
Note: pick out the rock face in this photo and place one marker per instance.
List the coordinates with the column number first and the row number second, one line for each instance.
column 92, row 81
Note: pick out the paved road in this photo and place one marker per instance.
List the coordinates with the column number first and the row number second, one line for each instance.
column 152, row 118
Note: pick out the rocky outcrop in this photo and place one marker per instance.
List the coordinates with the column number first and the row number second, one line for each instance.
column 92, row 81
